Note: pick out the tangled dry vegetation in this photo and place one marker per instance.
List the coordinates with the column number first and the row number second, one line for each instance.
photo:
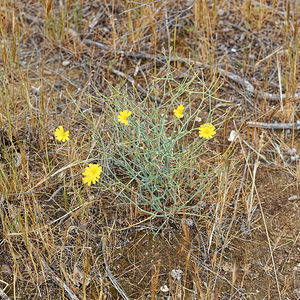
column 220, row 225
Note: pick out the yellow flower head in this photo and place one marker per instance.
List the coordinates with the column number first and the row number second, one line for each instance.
column 60, row 135
column 207, row 131
column 92, row 174
column 178, row 112
column 122, row 117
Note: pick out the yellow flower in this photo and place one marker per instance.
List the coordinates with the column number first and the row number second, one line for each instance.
column 178, row 112
column 92, row 174
column 60, row 135
column 207, row 131
column 122, row 117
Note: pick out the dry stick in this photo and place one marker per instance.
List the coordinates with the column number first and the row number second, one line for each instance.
column 243, row 82
column 269, row 242
column 279, row 82
column 63, row 217
column 3, row 295
column 75, row 163
column 215, row 273
column 121, row 74
column 72, row 296
column 139, row 87
column 279, row 126
column 259, row 154
column 129, row 54
column 249, row 87
column 62, row 76
column 111, row 277
column 288, row 257
column 69, row 292
column 268, row 56
column 252, row 174
column 262, row 213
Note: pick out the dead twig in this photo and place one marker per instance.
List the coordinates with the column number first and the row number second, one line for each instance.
column 97, row 44
column 268, row 237
column 278, row 126
column 159, row 59
column 259, row 154
column 137, row 85
column 109, row 274
column 3, row 295
column 70, row 293
column 121, row 74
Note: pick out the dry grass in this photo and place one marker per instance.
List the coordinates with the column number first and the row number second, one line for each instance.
column 72, row 63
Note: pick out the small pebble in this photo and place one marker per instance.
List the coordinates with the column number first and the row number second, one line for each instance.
column 221, row 12
column 233, row 136
column 294, row 197
column 66, row 63
column 176, row 274
column 164, row 289
column 292, row 151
